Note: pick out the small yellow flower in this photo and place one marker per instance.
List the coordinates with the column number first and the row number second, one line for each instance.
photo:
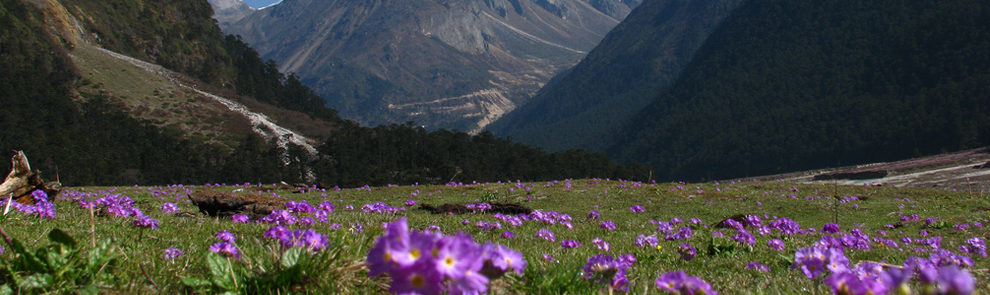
column 659, row 247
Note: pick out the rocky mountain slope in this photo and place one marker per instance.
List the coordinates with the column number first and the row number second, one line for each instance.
column 449, row 63
column 640, row 56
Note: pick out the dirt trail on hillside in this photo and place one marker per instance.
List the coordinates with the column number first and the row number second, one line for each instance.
column 966, row 170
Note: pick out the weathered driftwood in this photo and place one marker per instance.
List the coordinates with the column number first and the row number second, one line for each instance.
column 227, row 204
column 22, row 181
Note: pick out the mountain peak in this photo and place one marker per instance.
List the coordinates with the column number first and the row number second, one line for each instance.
column 454, row 64
column 228, row 11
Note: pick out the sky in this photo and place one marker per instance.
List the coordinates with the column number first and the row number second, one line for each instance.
column 259, row 3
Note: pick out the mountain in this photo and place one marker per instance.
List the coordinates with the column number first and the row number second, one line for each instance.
column 643, row 54
column 456, row 64
column 151, row 92
column 227, row 11
column 796, row 85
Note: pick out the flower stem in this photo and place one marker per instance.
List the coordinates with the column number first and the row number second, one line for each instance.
column 232, row 276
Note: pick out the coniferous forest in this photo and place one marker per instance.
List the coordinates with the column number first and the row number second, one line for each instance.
column 93, row 141
column 796, row 85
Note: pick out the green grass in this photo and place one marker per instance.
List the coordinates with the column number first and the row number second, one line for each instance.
column 340, row 270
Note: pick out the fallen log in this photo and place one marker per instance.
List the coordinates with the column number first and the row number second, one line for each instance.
column 22, row 181
column 218, row 204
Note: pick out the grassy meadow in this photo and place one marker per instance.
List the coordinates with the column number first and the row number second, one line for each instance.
column 109, row 254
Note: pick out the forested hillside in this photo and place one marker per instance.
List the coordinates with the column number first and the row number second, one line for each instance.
column 792, row 85
column 90, row 139
column 643, row 54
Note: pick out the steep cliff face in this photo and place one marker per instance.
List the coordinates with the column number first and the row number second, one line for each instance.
column 448, row 63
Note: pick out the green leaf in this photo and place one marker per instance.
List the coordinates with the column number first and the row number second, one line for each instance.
column 61, row 237
column 196, row 282
column 224, row 282
column 27, row 261
column 5, row 290
column 40, row 280
column 291, row 257
column 218, row 265
column 89, row 289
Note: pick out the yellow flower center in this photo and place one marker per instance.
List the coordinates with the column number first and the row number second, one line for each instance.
column 449, row 261
column 417, row 281
column 414, row 253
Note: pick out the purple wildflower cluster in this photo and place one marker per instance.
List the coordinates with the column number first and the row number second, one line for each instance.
column 567, row 244
column 548, row 217
column 430, row 263
column 225, row 247
column 642, row 241
column 678, row 282
column 601, row 244
column 687, row 252
column 169, row 207
column 42, row 207
column 974, row 246
column 488, row 226
column 381, row 207
column 637, row 209
column 605, row 268
column 172, row 253
column 118, row 206
column 309, row 239
column 480, row 207
column 607, row 225
column 546, row 234
column 941, row 273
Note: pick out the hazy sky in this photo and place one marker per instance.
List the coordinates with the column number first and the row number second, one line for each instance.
column 259, row 3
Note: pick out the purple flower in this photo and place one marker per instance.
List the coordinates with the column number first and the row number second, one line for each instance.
column 567, row 244
column 508, row 235
column 637, row 209
column 753, row 220
column 145, row 222
column 680, row 283
column 326, row 206
column 849, row 283
column 954, row 280
column 605, row 268
column 505, row 259
column 226, row 236
column 546, row 234
column 457, row 256
column 411, row 203
column 745, row 237
column 776, row 244
column 830, row 228
column 310, row 239
column 240, row 218
column 687, row 251
column 664, row 227
column 608, row 225
column 169, row 207
column 757, row 266
column 643, row 240
column 280, row 233
column 976, row 246
column 225, row 249
column 171, row 253
column 417, row 278
column 602, row 244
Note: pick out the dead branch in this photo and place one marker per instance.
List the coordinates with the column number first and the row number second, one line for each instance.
column 22, row 181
